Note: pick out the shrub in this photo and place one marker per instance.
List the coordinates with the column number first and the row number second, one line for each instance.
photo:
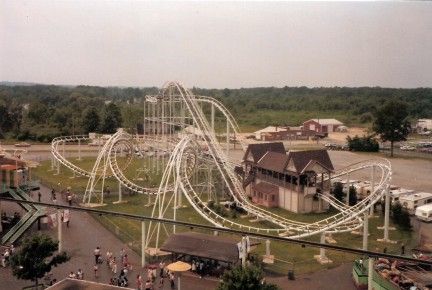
column 363, row 144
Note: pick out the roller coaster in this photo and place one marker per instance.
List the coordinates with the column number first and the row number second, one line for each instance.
column 179, row 140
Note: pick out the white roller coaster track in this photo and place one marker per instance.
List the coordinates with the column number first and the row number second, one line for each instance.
column 57, row 142
column 347, row 219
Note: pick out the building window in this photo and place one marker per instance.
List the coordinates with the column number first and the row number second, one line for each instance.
column 272, row 197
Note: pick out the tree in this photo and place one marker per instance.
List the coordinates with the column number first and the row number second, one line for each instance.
column 112, row 119
column 91, row 120
column 244, row 278
column 35, row 258
column 365, row 144
column 400, row 216
column 338, row 191
column 352, row 196
column 391, row 122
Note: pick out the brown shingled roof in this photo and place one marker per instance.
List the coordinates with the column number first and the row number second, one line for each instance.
column 274, row 161
column 302, row 158
column 9, row 161
column 219, row 248
column 259, row 149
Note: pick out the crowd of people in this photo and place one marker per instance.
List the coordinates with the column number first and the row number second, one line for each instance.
column 78, row 275
column 151, row 282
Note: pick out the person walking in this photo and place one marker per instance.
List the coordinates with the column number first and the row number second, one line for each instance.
column 66, row 217
column 97, row 253
column 171, row 278
column 80, row 274
column 109, row 256
column 148, row 285
column 69, row 198
column 114, row 267
column 95, row 269
column 161, row 268
column 139, row 282
column 122, row 254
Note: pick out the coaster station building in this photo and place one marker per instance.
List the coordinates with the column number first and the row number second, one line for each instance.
column 292, row 181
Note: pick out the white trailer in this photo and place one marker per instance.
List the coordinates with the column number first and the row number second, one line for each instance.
column 396, row 193
column 412, row 201
column 424, row 212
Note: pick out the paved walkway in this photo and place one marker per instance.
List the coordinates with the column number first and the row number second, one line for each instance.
column 79, row 240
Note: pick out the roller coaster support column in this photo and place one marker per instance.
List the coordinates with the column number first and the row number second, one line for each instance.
column 79, row 149
column 322, row 250
column 58, row 168
column 243, row 252
column 348, row 187
column 387, row 214
column 227, row 139
column 370, row 272
column 143, row 229
column 365, row 230
column 120, row 192
column 59, row 231
column 322, row 258
column 386, row 226
column 63, row 148
column 212, row 117
column 267, row 247
column 372, row 189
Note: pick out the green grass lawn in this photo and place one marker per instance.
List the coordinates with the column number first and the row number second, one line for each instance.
column 287, row 255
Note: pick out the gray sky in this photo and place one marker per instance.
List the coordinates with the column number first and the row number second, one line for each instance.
column 217, row 44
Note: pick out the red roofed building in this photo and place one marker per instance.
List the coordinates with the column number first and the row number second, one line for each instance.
column 13, row 172
column 322, row 126
column 274, row 178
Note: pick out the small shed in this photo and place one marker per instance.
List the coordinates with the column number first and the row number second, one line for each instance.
column 219, row 248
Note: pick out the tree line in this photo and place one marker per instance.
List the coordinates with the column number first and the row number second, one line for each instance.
column 42, row 112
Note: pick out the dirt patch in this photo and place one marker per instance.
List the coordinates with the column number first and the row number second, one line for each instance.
column 408, row 173
column 340, row 137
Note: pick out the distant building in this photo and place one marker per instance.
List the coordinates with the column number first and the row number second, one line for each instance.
column 275, row 133
column 424, row 125
column 322, row 126
column 273, row 178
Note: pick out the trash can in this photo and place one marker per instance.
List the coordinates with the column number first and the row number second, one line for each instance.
column 291, row 275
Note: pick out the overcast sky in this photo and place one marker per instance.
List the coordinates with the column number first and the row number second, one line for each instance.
column 217, row 44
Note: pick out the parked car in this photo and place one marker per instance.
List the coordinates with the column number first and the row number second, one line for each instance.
column 22, row 144
column 407, row 148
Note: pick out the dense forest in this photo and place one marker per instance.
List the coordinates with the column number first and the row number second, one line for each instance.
column 41, row 112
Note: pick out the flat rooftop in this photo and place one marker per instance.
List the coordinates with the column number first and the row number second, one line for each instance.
column 416, row 196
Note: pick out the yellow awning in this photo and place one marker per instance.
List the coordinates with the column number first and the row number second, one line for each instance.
column 179, row 266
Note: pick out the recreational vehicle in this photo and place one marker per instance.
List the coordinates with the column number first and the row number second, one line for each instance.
column 424, row 212
column 396, row 193
column 412, row 201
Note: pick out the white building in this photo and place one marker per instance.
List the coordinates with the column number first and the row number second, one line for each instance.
column 424, row 125
column 270, row 129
